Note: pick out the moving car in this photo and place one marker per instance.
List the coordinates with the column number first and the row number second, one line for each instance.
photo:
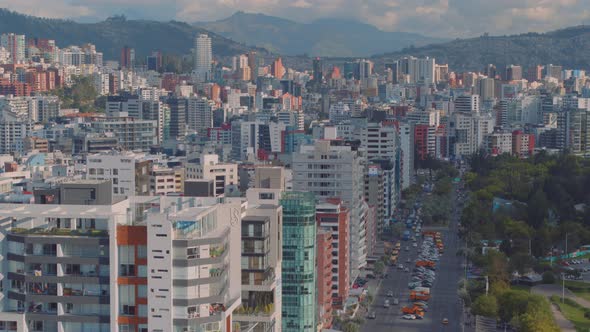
column 445, row 321
column 396, row 301
column 372, row 315
column 409, row 317
column 386, row 304
column 389, row 293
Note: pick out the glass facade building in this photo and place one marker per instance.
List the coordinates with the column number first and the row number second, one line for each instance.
column 299, row 259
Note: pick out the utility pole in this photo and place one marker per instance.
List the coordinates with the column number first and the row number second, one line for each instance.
column 563, row 274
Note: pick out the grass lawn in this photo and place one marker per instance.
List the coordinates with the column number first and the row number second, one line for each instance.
column 576, row 284
column 521, row 287
column 573, row 314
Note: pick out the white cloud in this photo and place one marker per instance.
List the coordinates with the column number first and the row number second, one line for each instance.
column 449, row 18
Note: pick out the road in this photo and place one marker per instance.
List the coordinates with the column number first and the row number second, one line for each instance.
column 444, row 302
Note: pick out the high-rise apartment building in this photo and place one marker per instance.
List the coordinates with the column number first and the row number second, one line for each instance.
column 15, row 44
column 203, row 57
column 177, row 125
column 199, row 115
column 333, row 216
column 467, row 104
column 132, row 134
column 128, row 172
column 325, row 283
column 332, row 169
column 262, row 255
column 94, row 263
column 415, row 70
column 127, row 57
column 277, row 69
column 299, row 262
column 486, row 88
column 513, row 73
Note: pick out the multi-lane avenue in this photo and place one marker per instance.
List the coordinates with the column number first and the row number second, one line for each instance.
column 444, row 301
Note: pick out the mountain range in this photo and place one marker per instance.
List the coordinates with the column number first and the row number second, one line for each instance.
column 569, row 47
column 328, row 37
column 112, row 34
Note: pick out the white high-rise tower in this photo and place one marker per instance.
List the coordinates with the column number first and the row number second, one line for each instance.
column 203, row 57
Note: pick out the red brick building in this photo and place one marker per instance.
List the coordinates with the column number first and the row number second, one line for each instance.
column 324, row 276
column 334, row 216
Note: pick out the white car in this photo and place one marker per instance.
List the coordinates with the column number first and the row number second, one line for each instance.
column 409, row 317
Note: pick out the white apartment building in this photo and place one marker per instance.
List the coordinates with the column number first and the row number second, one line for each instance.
column 208, row 167
column 12, row 136
column 144, row 264
column 467, row 104
column 165, row 180
column 132, row 134
column 203, row 57
column 336, row 171
column 467, row 132
column 128, row 172
column 498, row 143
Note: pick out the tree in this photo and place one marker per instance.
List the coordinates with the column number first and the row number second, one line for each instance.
column 378, row 267
column 512, row 304
column 485, row 305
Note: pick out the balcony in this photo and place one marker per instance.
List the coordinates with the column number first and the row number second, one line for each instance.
column 215, row 252
column 265, row 310
column 59, row 232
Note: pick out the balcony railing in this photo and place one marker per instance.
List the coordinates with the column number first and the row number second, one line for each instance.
column 59, row 231
column 259, row 310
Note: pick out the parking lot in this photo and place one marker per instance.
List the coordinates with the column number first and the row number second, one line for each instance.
column 443, row 302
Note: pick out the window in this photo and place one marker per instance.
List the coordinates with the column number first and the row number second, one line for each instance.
column 266, row 196
column 127, row 270
column 142, row 291
column 115, row 171
column 141, row 251
column 142, row 271
column 142, row 310
column 128, row 310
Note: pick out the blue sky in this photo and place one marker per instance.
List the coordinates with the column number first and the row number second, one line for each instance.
column 445, row 18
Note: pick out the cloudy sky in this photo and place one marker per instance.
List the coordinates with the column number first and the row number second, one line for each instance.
column 447, row 18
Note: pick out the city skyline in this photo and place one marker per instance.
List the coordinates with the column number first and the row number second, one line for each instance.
column 439, row 18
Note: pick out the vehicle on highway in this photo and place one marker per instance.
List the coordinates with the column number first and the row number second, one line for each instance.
column 445, row 321
column 372, row 315
column 395, row 301
column 415, row 245
column 413, row 310
column 400, row 266
column 407, row 269
column 389, row 293
column 386, row 304
column 409, row 317
column 409, row 260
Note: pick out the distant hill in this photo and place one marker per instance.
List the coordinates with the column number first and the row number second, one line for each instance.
column 569, row 47
column 324, row 37
column 111, row 35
